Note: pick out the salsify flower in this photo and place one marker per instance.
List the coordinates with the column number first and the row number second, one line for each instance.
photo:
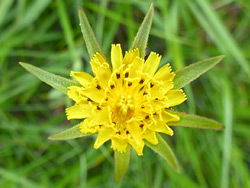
column 129, row 101
column 125, row 103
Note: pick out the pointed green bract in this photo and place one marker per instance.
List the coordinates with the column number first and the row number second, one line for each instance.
column 55, row 81
column 163, row 149
column 194, row 121
column 141, row 37
column 188, row 74
column 121, row 163
column 92, row 45
column 70, row 133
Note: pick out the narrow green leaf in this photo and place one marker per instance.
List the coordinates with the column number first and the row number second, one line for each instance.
column 189, row 73
column 121, row 163
column 163, row 149
column 88, row 35
column 141, row 37
column 71, row 133
column 55, row 81
column 194, row 121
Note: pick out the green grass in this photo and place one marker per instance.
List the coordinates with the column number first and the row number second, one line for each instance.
column 47, row 34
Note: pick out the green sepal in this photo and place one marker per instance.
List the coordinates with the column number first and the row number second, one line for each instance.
column 71, row 133
column 189, row 73
column 141, row 38
column 194, row 121
column 89, row 37
column 121, row 163
column 58, row 82
column 163, row 149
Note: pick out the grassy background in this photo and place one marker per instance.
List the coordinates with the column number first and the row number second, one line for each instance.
column 47, row 34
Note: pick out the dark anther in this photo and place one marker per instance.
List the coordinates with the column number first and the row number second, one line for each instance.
column 127, row 132
column 114, row 122
column 142, row 106
column 98, row 108
column 118, row 132
column 100, row 126
column 147, row 117
column 118, row 75
column 151, row 85
column 144, row 93
column 129, row 84
column 98, row 87
column 88, row 99
column 141, row 81
column 126, row 74
column 112, row 86
column 156, row 99
column 141, row 125
column 155, row 113
column 107, row 99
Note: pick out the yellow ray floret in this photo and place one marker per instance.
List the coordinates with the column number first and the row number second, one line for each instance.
column 125, row 103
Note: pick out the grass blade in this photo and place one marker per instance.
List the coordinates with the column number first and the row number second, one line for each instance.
column 4, row 8
column 17, row 179
column 228, row 120
column 68, row 34
column 32, row 13
column 223, row 33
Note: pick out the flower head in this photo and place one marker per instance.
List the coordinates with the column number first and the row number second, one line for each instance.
column 125, row 103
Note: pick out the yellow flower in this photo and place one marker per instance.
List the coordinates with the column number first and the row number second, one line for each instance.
column 126, row 103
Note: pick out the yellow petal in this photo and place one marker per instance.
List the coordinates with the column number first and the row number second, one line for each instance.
column 160, row 126
column 130, row 56
column 84, row 128
column 156, row 91
column 175, row 97
column 167, row 86
column 137, row 147
column 103, row 75
column 150, row 136
column 82, row 77
column 116, row 56
column 166, row 117
column 101, row 71
column 164, row 73
column 157, row 105
column 159, row 90
column 74, row 92
column 96, row 62
column 78, row 111
column 94, row 94
column 100, row 58
column 152, row 63
column 105, row 133
column 135, row 131
column 101, row 117
column 136, row 67
column 119, row 145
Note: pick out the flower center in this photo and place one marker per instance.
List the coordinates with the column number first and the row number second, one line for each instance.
column 125, row 106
